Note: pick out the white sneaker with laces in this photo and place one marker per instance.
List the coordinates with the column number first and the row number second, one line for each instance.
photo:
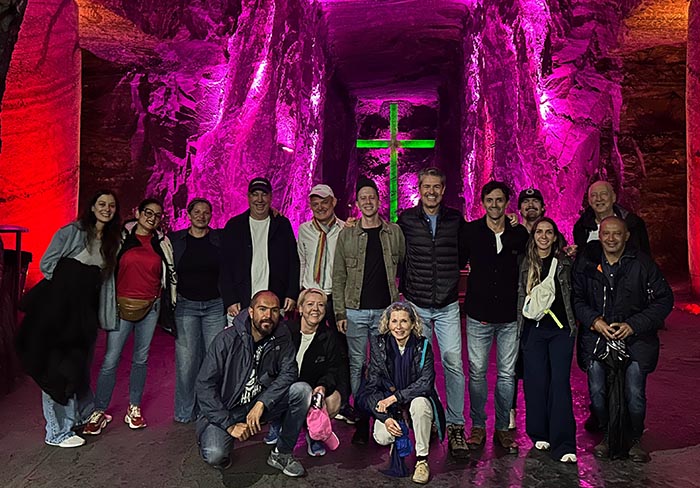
column 72, row 441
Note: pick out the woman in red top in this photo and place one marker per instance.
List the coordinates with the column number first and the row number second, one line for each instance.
column 144, row 269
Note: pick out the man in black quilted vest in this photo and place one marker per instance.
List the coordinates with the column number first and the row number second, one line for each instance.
column 430, row 279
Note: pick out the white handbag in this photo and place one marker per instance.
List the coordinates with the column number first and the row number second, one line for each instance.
column 541, row 297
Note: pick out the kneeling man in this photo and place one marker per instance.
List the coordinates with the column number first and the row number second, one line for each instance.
column 248, row 377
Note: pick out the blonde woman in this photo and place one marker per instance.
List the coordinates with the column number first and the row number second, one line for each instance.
column 401, row 377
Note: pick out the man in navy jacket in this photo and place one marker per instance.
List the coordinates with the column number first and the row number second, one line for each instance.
column 258, row 252
column 619, row 294
column 247, row 377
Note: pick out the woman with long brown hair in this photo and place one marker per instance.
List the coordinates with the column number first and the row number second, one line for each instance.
column 64, row 311
column 546, row 319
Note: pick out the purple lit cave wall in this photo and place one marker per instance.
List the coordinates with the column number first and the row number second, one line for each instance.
column 185, row 99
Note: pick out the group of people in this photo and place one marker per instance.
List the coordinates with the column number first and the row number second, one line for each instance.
column 349, row 337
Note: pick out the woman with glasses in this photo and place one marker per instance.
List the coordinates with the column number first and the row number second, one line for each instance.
column 546, row 319
column 144, row 270
column 58, row 333
column 199, row 314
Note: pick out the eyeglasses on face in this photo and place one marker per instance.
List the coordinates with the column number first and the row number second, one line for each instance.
column 150, row 214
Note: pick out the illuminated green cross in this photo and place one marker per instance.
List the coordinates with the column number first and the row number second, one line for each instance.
column 393, row 144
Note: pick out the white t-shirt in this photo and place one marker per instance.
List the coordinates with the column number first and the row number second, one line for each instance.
column 499, row 244
column 594, row 235
column 303, row 346
column 92, row 255
column 260, row 267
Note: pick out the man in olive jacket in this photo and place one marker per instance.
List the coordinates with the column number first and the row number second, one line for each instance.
column 367, row 258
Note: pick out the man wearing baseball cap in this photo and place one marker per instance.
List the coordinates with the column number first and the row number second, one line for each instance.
column 316, row 247
column 258, row 253
column 530, row 206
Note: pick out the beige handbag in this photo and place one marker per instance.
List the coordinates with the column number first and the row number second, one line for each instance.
column 134, row 309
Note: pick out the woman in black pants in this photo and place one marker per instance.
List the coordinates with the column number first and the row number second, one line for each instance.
column 548, row 333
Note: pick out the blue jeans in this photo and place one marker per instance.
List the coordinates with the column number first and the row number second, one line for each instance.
column 60, row 419
column 479, row 339
column 448, row 329
column 635, row 395
column 198, row 322
column 215, row 443
column 143, row 333
column 361, row 323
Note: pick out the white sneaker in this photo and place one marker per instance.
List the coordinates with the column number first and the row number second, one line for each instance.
column 72, row 441
column 542, row 446
column 568, row 458
column 511, row 423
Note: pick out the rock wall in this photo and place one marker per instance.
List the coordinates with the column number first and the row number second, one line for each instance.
column 693, row 131
column 542, row 100
column 213, row 94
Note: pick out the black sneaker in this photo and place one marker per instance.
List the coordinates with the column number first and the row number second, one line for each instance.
column 347, row 414
column 361, row 435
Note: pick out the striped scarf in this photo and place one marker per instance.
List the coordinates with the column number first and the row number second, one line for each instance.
column 321, row 251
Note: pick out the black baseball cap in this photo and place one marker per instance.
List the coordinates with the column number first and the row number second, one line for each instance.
column 259, row 183
column 530, row 193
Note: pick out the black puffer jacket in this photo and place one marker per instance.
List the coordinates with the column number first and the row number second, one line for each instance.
column 640, row 296
column 431, row 269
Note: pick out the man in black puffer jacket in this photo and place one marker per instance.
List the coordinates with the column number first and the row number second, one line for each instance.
column 619, row 295
column 430, row 278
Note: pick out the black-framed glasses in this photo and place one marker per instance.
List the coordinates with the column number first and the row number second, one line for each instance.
column 150, row 214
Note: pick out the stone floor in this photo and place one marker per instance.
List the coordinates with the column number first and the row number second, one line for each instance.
column 165, row 454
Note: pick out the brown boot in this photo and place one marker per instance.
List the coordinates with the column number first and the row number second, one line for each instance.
column 504, row 439
column 602, row 450
column 477, row 437
column 456, row 443
column 637, row 454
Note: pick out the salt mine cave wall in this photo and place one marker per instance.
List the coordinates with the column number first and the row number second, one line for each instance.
column 181, row 99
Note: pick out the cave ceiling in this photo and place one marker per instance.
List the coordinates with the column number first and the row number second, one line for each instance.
column 395, row 48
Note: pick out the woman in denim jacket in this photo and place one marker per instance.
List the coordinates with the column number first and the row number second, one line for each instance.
column 57, row 337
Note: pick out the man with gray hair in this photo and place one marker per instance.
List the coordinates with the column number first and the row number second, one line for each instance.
column 430, row 280
column 602, row 202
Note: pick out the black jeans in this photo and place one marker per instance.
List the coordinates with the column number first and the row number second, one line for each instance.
column 547, row 353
